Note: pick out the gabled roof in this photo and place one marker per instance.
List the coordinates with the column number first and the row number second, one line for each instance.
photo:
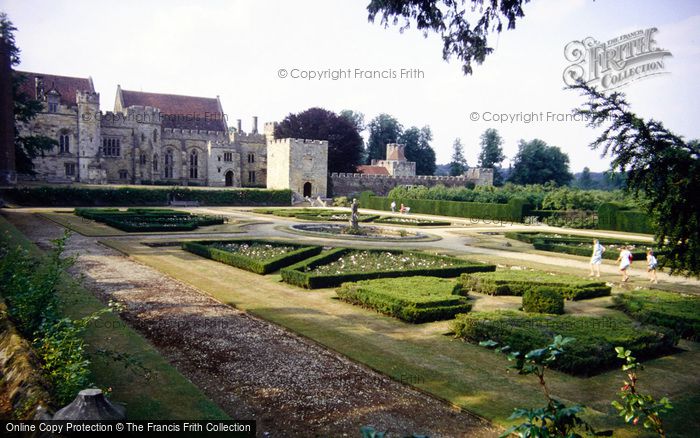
column 183, row 112
column 66, row 86
column 372, row 170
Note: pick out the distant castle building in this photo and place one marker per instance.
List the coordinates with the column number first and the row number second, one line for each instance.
column 166, row 139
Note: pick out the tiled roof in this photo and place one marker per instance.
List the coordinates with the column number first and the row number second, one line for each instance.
column 183, row 112
column 65, row 85
column 372, row 170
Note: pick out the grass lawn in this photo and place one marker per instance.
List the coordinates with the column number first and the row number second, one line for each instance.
column 165, row 395
column 463, row 374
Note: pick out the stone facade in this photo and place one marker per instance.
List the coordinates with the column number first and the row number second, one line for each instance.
column 298, row 164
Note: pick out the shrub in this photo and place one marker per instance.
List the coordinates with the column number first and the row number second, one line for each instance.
column 595, row 337
column 617, row 216
column 410, row 221
column 303, row 274
column 134, row 195
column 261, row 266
column 136, row 220
column 512, row 282
column 543, row 300
column 679, row 312
column 412, row 299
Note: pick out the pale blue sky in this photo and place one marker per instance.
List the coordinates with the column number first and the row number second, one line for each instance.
column 234, row 49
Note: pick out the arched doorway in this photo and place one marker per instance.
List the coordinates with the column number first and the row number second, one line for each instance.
column 229, row 178
column 307, row 189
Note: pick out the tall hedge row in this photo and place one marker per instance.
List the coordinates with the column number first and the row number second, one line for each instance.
column 127, row 196
column 514, row 211
column 618, row 217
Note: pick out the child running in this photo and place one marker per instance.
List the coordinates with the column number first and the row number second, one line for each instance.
column 651, row 266
column 625, row 260
column 597, row 257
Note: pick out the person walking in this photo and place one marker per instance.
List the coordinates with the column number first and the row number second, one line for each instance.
column 652, row 263
column 625, row 260
column 393, row 206
column 596, row 258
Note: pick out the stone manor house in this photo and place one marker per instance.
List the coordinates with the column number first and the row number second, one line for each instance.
column 155, row 139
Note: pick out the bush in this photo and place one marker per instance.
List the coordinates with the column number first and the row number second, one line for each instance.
column 209, row 250
column 596, row 337
column 519, row 282
column 302, row 274
column 136, row 220
column 410, row 221
column 616, row 216
column 678, row 312
column 543, row 300
column 134, row 195
column 412, row 299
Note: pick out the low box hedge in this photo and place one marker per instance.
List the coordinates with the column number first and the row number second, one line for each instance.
column 543, row 300
column 205, row 249
column 678, row 312
column 411, row 221
column 302, row 274
column 134, row 195
column 595, row 337
column 411, row 299
column 148, row 220
column 568, row 244
column 511, row 282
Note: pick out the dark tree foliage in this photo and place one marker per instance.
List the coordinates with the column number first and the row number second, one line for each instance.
column 418, row 149
column 491, row 155
column 383, row 129
column 344, row 142
column 539, row 163
column 659, row 165
column 458, row 165
column 463, row 25
column 27, row 147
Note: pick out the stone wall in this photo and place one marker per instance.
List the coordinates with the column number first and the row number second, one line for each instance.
column 345, row 184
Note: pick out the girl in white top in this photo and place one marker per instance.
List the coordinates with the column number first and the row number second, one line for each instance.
column 625, row 260
column 596, row 257
column 651, row 266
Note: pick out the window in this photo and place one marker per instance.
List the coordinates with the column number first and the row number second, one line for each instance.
column 142, row 159
column 169, row 163
column 52, row 101
column 228, row 156
column 251, row 177
column 111, row 147
column 63, row 143
column 155, row 135
column 70, row 169
column 123, row 174
column 193, row 164
column 251, row 158
column 155, row 162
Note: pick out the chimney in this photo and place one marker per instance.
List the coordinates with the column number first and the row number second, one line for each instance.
column 39, row 87
column 238, row 124
column 255, row 125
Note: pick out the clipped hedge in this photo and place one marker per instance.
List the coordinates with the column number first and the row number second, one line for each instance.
column 596, row 337
column 543, row 300
column 302, row 275
column 678, row 312
column 411, row 299
column 148, row 220
column 519, row 282
column 568, row 244
column 411, row 221
column 134, row 195
column 204, row 249
column 514, row 211
column 616, row 216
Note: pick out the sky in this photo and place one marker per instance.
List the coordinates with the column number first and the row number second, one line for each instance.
column 239, row 51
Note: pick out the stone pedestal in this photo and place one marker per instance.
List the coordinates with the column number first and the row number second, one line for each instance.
column 91, row 404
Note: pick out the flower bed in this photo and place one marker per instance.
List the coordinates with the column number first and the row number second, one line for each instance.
column 518, row 282
column 411, row 221
column 579, row 245
column 596, row 337
column 679, row 312
column 259, row 256
column 315, row 214
column 340, row 265
column 148, row 220
column 412, row 299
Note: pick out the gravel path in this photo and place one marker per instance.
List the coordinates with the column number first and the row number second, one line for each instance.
column 252, row 368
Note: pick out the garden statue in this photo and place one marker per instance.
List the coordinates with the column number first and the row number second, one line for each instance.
column 353, row 215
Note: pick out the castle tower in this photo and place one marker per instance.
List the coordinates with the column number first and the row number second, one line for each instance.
column 395, row 152
column 299, row 165
column 89, row 119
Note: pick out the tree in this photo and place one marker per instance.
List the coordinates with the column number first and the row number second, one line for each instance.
column 418, row 149
column 539, row 163
column 356, row 118
column 659, row 165
column 491, row 155
column 344, row 142
column 458, row 165
column 463, row 25
column 27, row 147
column 585, row 181
column 383, row 129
